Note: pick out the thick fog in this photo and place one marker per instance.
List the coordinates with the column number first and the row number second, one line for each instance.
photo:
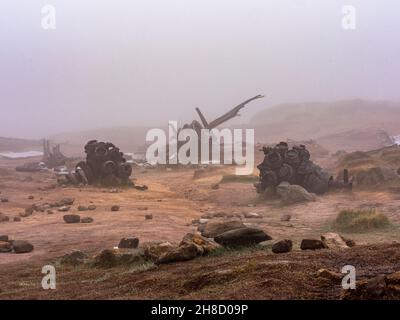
column 144, row 62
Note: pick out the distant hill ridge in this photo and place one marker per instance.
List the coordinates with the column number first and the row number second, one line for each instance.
column 316, row 119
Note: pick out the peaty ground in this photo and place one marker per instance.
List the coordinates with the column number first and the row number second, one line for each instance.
column 174, row 199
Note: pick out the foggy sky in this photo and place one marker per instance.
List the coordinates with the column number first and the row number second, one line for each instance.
column 144, row 62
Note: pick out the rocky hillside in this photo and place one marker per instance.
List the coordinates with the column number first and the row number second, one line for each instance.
column 314, row 120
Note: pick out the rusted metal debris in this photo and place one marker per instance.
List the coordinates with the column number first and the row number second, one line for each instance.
column 52, row 158
column 105, row 165
column 294, row 166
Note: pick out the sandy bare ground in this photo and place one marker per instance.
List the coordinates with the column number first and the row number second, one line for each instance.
column 174, row 199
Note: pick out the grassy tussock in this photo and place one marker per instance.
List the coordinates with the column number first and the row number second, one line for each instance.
column 360, row 220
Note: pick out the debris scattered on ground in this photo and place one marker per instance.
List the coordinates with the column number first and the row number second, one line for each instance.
column 105, row 165
column 115, row 208
column 282, row 164
column 148, row 216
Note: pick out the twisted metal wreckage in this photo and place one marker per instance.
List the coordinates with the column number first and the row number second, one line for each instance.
column 282, row 164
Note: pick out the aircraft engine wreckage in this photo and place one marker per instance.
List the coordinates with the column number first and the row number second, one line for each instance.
column 105, row 165
column 294, row 166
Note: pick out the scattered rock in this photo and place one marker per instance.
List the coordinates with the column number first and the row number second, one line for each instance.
column 350, row 243
column 215, row 186
column 290, row 194
column 333, row 240
column 87, row 220
column 31, row 197
column 74, row 258
column 181, row 253
column 142, row 208
column 148, row 216
column 82, row 208
column 3, row 199
column 105, row 259
column 91, row 207
column 311, row 244
column 21, row 246
column 5, row 246
column 128, row 243
column 28, row 212
column 252, row 215
column 286, row 217
column 214, row 228
column 3, row 217
column 115, row 208
column 64, row 208
column 379, row 287
column 154, row 251
column 3, row 238
column 72, row 218
column 206, row 245
column 64, row 202
column 17, row 219
column 141, row 188
column 282, row 246
column 203, row 221
column 242, row 237
column 330, row 275
column 50, row 212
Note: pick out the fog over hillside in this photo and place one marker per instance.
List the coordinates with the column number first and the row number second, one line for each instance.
column 142, row 63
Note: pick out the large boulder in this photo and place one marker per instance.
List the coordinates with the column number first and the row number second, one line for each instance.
column 153, row 251
column 333, row 240
column 128, row 243
column 181, row 253
column 72, row 218
column 291, row 193
column 214, row 228
column 205, row 245
column 282, row 246
column 242, row 237
column 311, row 244
column 21, row 246
column 5, row 246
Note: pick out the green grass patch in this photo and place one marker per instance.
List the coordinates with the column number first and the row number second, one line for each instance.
column 229, row 178
column 223, row 251
column 360, row 220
